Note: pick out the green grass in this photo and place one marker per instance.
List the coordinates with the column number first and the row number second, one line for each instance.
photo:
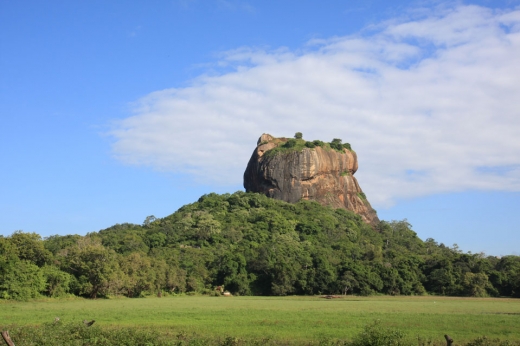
column 298, row 319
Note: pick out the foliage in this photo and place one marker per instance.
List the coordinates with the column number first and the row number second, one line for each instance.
column 77, row 333
column 288, row 146
column 375, row 334
column 253, row 245
column 29, row 246
column 297, row 144
column 337, row 145
column 55, row 243
column 92, row 264
column 21, row 280
column 57, row 282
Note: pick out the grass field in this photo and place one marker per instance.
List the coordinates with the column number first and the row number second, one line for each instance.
column 297, row 319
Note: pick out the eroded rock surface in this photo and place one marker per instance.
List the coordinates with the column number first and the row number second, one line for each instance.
column 319, row 174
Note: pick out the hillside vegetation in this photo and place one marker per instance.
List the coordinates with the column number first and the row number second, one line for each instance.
column 251, row 245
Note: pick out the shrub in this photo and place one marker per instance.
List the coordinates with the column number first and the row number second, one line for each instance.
column 298, row 135
column 57, row 281
column 21, row 280
column 77, row 333
column 310, row 145
column 291, row 143
column 336, row 144
column 375, row 334
column 362, row 195
column 485, row 341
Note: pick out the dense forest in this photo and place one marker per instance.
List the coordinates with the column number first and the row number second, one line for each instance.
column 250, row 245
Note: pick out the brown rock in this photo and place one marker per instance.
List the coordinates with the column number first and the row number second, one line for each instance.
column 319, row 174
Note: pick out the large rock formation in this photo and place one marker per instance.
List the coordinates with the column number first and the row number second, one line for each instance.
column 319, row 174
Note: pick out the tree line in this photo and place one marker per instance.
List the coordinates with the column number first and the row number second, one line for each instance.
column 251, row 245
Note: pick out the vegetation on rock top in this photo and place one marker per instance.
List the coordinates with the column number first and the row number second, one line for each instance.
column 297, row 144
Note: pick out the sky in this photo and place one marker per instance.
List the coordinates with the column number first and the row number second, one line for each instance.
column 114, row 111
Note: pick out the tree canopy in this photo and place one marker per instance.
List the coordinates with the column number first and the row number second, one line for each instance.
column 251, row 245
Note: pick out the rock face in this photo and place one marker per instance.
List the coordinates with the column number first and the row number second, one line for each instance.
column 319, row 174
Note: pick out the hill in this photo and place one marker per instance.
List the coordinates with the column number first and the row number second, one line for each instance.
column 252, row 245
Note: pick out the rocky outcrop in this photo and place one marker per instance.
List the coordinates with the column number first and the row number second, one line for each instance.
column 319, row 174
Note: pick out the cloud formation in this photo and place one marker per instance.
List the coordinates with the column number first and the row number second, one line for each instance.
column 430, row 104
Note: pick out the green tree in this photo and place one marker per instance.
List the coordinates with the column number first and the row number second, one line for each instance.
column 149, row 219
column 506, row 276
column 57, row 282
column 298, row 135
column 324, row 275
column 232, row 273
column 139, row 274
column 205, row 226
column 56, row 243
column 475, row 285
column 441, row 281
column 93, row 265
column 155, row 239
column 348, row 282
column 30, row 247
column 336, row 144
column 21, row 280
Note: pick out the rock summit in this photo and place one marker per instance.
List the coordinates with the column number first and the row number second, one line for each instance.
column 293, row 169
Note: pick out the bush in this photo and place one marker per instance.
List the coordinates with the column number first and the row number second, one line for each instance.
column 336, row 144
column 291, row 143
column 485, row 341
column 298, row 135
column 310, row 145
column 77, row 333
column 21, row 280
column 375, row 334
column 57, row 281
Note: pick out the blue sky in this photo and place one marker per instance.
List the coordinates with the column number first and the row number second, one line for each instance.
column 113, row 111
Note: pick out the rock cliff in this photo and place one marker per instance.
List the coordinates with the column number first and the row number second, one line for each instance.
column 320, row 174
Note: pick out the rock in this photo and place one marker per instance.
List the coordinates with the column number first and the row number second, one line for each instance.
column 318, row 174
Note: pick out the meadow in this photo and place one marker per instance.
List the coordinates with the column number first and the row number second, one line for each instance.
column 295, row 319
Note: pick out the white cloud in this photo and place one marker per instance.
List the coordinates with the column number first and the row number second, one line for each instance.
column 429, row 104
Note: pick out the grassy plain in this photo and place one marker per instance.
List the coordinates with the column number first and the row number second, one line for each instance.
column 297, row 319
